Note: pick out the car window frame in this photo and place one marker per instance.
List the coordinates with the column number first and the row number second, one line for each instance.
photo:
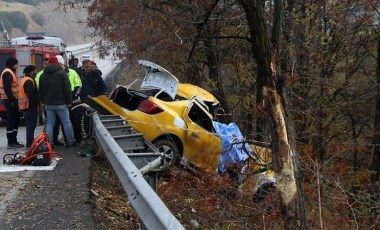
column 193, row 102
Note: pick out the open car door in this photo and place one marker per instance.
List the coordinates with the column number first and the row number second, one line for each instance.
column 205, row 145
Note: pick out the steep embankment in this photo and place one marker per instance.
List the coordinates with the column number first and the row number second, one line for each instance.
column 70, row 25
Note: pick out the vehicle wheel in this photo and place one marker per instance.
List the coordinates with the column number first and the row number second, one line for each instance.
column 170, row 151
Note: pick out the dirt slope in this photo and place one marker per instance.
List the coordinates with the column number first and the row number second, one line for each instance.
column 70, row 25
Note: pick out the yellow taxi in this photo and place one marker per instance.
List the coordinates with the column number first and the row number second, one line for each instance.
column 177, row 122
column 178, row 119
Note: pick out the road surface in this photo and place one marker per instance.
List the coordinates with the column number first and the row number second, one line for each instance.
column 55, row 198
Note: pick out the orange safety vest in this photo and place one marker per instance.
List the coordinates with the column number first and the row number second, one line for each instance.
column 14, row 84
column 23, row 101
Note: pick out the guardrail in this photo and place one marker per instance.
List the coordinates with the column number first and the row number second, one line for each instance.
column 81, row 48
column 120, row 143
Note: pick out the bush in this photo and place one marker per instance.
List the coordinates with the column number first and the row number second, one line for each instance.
column 38, row 18
column 7, row 24
column 4, row 19
column 15, row 19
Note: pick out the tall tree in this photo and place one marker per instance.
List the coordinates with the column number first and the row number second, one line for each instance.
column 266, row 50
column 375, row 163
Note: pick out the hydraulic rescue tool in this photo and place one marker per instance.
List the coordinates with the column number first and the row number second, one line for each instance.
column 40, row 153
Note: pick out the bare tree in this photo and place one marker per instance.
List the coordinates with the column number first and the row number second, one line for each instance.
column 375, row 164
column 266, row 51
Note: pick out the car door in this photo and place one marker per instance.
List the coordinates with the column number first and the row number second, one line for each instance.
column 202, row 145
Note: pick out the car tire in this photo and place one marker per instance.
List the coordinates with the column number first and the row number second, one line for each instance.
column 170, row 150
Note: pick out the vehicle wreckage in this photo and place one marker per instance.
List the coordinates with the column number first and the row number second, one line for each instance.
column 180, row 120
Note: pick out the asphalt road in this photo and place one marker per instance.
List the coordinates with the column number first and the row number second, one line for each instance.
column 46, row 199
column 49, row 199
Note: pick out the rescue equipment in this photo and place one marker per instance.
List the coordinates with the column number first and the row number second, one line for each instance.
column 40, row 153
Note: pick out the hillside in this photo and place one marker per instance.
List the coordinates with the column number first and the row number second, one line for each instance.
column 70, row 26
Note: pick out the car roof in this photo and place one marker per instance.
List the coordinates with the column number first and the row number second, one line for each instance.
column 188, row 91
column 157, row 77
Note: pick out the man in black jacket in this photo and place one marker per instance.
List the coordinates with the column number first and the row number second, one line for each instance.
column 9, row 93
column 92, row 83
column 56, row 95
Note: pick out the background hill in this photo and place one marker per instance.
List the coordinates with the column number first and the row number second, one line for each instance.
column 47, row 17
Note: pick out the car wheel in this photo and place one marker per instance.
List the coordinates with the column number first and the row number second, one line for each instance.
column 170, row 151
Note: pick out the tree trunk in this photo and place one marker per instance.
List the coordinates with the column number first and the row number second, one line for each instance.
column 375, row 164
column 213, row 62
column 285, row 157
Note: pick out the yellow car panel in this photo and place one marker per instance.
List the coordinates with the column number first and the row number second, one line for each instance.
column 200, row 146
column 189, row 90
column 153, row 126
column 109, row 105
column 204, row 146
column 264, row 155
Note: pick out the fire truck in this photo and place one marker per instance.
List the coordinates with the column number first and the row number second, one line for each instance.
column 26, row 54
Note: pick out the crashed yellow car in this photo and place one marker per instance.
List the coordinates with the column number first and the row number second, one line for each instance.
column 177, row 119
column 188, row 91
column 179, row 127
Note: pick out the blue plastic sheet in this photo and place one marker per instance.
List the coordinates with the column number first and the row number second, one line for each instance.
column 232, row 154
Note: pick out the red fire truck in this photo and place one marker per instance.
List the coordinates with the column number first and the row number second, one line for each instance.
column 26, row 54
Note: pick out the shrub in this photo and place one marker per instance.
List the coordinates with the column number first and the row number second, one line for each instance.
column 18, row 20
column 4, row 19
column 38, row 18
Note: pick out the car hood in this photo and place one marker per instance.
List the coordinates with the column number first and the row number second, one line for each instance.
column 157, row 77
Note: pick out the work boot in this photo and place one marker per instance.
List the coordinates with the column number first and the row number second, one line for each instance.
column 15, row 145
column 75, row 144
column 58, row 144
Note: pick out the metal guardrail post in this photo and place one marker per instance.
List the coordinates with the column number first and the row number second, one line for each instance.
column 152, row 211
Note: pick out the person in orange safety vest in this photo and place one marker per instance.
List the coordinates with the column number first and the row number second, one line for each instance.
column 29, row 101
column 9, row 93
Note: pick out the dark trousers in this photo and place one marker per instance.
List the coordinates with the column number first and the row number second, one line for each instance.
column 13, row 120
column 30, row 116
column 79, row 122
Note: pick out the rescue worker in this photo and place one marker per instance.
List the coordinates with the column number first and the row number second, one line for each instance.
column 37, row 80
column 92, row 83
column 75, row 81
column 56, row 95
column 58, row 123
column 76, row 64
column 76, row 111
column 29, row 101
column 45, row 62
column 95, row 67
column 9, row 93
